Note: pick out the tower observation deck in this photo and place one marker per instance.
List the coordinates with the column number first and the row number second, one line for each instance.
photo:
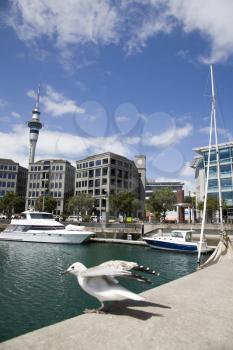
column 34, row 125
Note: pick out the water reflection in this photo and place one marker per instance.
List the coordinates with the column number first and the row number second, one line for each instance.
column 33, row 293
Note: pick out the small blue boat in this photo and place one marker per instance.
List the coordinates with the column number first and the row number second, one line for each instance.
column 178, row 241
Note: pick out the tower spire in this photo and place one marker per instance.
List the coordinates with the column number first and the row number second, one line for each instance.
column 38, row 98
column 34, row 125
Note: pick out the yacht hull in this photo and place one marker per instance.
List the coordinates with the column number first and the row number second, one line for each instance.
column 172, row 246
column 47, row 237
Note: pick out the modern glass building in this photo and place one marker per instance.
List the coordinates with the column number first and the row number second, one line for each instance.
column 226, row 173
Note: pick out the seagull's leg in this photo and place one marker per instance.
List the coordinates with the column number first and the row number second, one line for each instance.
column 96, row 311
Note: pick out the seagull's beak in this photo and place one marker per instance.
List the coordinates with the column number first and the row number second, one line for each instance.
column 65, row 272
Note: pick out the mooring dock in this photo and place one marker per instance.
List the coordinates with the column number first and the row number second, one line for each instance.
column 193, row 312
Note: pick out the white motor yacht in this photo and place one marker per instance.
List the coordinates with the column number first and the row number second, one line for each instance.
column 36, row 226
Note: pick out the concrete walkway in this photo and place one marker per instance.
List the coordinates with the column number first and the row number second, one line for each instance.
column 194, row 312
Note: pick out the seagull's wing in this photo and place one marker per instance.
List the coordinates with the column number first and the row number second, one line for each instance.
column 120, row 264
column 129, row 266
column 104, row 271
column 115, row 268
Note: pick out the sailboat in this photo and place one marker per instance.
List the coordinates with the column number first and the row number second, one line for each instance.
column 224, row 248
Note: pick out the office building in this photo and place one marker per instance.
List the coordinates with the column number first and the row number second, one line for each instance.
column 199, row 164
column 107, row 173
column 53, row 177
column 153, row 185
column 13, row 178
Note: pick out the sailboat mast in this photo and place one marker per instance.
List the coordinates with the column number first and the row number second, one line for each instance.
column 216, row 147
column 206, row 189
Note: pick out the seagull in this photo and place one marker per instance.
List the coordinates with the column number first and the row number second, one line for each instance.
column 101, row 283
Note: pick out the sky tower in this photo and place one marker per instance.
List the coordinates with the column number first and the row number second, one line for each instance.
column 34, row 125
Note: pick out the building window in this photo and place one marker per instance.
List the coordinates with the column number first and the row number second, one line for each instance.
column 119, row 173
column 61, row 167
column 119, row 183
column 104, row 181
column 226, row 182
column 105, row 171
column 225, row 168
column 113, row 172
column 91, row 173
column 90, row 192
column 113, row 182
column 212, row 183
column 90, row 183
column 91, row 164
column 97, row 192
column 97, row 172
column 98, row 162
column 120, row 163
column 97, row 182
column 224, row 153
column 105, row 161
column 113, row 161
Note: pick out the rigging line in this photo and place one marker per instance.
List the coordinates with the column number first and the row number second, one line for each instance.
column 217, row 148
column 205, row 94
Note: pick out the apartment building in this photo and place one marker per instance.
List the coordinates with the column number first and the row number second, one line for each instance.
column 13, row 178
column 54, row 177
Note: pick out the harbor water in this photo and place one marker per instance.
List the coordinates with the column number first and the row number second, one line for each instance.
column 34, row 294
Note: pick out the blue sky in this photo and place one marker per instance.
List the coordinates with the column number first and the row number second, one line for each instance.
column 126, row 76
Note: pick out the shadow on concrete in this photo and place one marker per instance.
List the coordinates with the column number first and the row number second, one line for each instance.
column 123, row 308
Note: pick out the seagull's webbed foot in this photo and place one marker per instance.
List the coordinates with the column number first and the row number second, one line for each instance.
column 99, row 310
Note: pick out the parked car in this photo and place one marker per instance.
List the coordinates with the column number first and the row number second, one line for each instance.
column 58, row 217
column 74, row 218
column 95, row 218
column 3, row 217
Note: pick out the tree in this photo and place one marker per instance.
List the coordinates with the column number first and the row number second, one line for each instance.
column 81, row 205
column 123, row 202
column 212, row 205
column 46, row 203
column 160, row 201
column 12, row 203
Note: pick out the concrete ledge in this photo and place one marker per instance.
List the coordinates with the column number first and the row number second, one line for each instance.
column 120, row 241
column 194, row 312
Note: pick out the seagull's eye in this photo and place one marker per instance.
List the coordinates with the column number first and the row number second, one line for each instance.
column 72, row 267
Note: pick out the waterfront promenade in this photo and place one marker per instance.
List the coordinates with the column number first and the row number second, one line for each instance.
column 194, row 312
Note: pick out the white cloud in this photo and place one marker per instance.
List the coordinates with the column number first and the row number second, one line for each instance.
column 56, row 144
column 122, row 118
column 128, row 23
column 211, row 18
column 72, row 22
column 81, row 85
column 3, row 103
column 15, row 115
column 187, row 170
column 56, row 104
column 169, row 137
column 225, row 133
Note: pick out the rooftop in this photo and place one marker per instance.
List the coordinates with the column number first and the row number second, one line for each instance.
column 200, row 150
